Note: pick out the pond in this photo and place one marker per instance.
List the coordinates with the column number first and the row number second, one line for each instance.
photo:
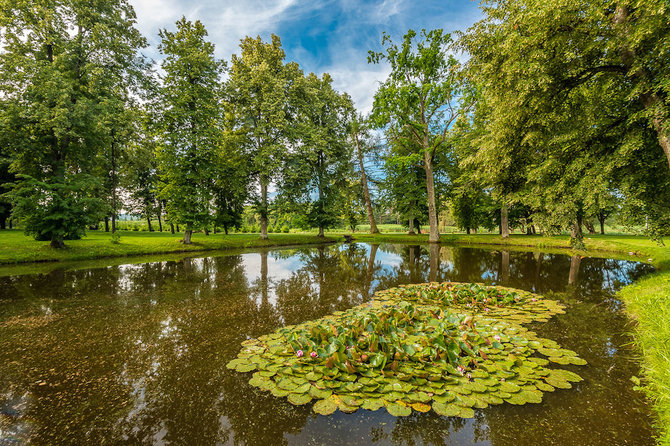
column 136, row 353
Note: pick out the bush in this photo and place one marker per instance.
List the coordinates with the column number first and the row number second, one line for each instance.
column 255, row 228
column 116, row 238
column 285, row 229
column 271, row 229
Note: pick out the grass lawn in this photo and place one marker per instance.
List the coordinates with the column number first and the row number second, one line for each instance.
column 15, row 247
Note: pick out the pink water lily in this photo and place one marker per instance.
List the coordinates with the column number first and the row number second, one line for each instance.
column 460, row 369
column 313, row 354
column 299, row 354
column 497, row 337
column 469, row 375
column 533, row 300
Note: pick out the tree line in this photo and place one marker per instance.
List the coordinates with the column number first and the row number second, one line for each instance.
column 541, row 116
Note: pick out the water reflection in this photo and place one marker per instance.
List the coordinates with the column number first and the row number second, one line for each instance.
column 136, row 353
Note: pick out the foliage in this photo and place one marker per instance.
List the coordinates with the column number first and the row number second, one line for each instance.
column 573, row 100
column 61, row 69
column 258, row 93
column 319, row 165
column 188, row 119
column 417, row 104
column 417, row 355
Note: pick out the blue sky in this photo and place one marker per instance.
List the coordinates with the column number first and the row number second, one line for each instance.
column 321, row 35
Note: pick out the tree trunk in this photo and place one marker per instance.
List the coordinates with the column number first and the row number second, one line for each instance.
column 106, row 224
column 504, row 220
column 206, row 230
column 574, row 269
column 366, row 191
column 225, row 229
column 411, row 226
column 467, row 230
column 3, row 224
column 57, row 242
column 114, row 204
column 576, row 235
column 321, row 233
column 590, row 227
column 178, row 227
column 264, row 207
column 601, row 220
column 151, row 229
column 160, row 223
column 434, row 236
column 172, row 228
column 11, row 223
column 534, row 231
column 187, row 234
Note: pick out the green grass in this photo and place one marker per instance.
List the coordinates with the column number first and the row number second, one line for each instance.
column 15, row 247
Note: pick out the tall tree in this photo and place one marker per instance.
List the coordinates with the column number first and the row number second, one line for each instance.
column 420, row 96
column 321, row 158
column 61, row 60
column 189, row 125
column 361, row 139
column 258, row 91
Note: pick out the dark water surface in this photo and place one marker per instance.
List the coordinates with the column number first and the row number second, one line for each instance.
column 136, row 354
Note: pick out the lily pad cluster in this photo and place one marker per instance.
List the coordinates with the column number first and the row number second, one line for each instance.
column 473, row 298
column 414, row 348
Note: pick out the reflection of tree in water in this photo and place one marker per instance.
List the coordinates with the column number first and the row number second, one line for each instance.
column 421, row 429
column 330, row 279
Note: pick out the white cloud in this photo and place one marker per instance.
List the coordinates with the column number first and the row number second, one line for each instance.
column 356, row 27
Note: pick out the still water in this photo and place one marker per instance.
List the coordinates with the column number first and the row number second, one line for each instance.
column 136, row 353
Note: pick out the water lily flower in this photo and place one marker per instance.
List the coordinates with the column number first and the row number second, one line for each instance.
column 533, row 300
column 487, row 310
column 469, row 375
column 460, row 369
column 502, row 380
column 299, row 354
column 313, row 354
column 496, row 337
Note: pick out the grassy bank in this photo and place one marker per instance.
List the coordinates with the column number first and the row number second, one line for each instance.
column 15, row 247
column 648, row 302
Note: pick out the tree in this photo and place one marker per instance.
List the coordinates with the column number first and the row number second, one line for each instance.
column 420, row 96
column 140, row 179
column 258, row 90
column 575, row 98
column 232, row 186
column 61, row 60
column 403, row 188
column 316, row 170
column 189, row 125
column 360, row 135
column 6, row 178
